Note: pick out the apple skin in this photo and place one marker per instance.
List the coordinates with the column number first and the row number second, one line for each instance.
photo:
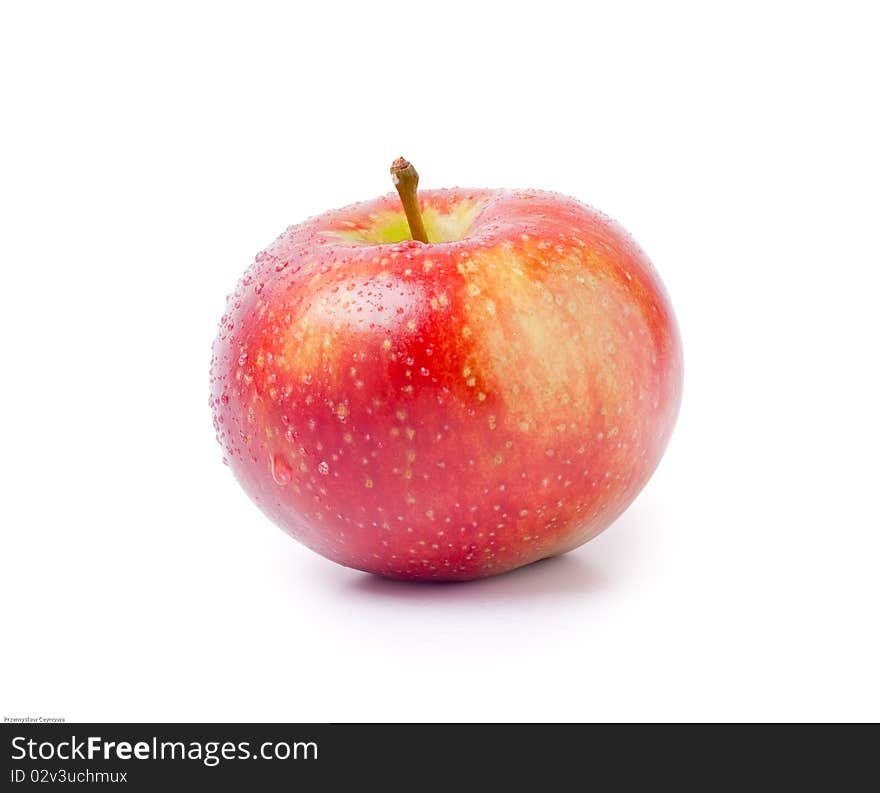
column 452, row 410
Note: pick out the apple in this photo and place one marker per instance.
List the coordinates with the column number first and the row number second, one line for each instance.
column 449, row 384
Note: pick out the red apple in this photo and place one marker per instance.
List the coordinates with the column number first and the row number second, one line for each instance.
column 452, row 409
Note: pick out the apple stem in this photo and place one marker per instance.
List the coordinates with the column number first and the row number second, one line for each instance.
column 406, row 180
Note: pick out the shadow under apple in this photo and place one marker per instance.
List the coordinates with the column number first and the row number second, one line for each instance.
column 569, row 574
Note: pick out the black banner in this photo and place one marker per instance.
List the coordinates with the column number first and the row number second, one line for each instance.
column 274, row 756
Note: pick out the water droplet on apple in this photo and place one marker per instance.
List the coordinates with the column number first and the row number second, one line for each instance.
column 242, row 359
column 281, row 472
column 323, row 468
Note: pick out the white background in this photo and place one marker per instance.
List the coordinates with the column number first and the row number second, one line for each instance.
column 150, row 150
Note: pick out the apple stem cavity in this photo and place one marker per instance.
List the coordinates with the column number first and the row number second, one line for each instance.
column 406, row 180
